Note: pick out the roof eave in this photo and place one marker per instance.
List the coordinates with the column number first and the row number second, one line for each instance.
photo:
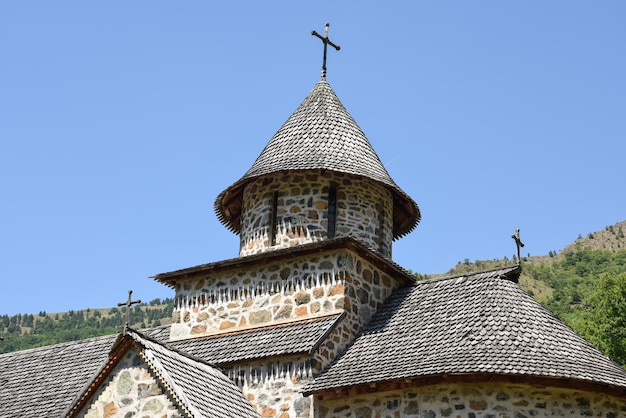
column 228, row 204
column 409, row 382
column 348, row 243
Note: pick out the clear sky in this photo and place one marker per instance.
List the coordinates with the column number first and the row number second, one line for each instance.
column 120, row 122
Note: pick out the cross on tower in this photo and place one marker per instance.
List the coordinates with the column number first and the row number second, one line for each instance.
column 128, row 304
column 518, row 243
column 326, row 42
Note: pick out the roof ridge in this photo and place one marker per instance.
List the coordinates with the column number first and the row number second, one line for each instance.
column 57, row 345
column 508, row 269
column 166, row 362
column 139, row 338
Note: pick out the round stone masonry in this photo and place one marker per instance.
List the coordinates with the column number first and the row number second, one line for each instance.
column 487, row 400
column 288, row 209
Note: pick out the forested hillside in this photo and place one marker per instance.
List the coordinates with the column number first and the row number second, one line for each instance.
column 23, row 331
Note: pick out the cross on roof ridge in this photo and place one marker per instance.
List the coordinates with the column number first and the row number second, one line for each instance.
column 518, row 244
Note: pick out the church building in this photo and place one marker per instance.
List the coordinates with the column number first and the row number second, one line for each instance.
column 314, row 318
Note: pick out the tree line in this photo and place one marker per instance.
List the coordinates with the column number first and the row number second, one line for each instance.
column 23, row 331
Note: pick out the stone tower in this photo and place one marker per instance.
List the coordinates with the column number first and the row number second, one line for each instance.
column 317, row 185
column 316, row 214
column 317, row 178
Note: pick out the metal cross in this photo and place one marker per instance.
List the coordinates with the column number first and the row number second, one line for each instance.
column 518, row 243
column 128, row 304
column 326, row 42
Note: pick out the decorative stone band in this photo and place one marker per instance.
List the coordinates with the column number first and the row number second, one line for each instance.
column 215, row 297
column 245, row 376
column 273, row 387
column 288, row 234
column 252, row 302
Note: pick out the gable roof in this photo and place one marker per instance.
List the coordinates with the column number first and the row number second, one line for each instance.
column 319, row 135
column 477, row 326
column 198, row 387
column 42, row 381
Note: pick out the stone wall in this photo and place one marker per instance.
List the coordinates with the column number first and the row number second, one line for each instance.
column 364, row 211
column 274, row 388
column 301, row 288
column 130, row 390
column 474, row 401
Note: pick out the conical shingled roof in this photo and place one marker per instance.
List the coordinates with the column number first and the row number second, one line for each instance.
column 320, row 135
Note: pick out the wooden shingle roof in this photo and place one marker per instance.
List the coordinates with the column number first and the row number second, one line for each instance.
column 42, row 382
column 199, row 388
column 299, row 337
column 204, row 390
column 46, row 381
column 319, row 135
column 473, row 327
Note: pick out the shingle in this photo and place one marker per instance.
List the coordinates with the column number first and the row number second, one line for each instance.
column 320, row 135
column 478, row 323
column 204, row 390
column 40, row 381
column 37, row 381
column 291, row 338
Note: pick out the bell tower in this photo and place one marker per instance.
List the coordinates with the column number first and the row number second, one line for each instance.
column 317, row 178
column 316, row 215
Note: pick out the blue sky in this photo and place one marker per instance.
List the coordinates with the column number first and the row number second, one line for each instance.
column 120, row 122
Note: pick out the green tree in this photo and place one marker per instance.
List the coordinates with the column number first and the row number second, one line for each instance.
column 605, row 326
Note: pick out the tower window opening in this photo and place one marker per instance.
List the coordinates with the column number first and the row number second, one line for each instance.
column 382, row 242
column 332, row 210
column 273, row 219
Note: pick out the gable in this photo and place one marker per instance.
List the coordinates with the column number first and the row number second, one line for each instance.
column 140, row 367
column 130, row 389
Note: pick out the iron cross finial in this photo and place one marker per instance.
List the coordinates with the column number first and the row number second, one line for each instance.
column 518, row 243
column 128, row 304
column 326, row 42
